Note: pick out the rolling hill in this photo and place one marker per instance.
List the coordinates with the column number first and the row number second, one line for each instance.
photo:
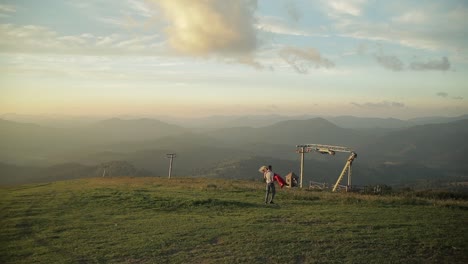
column 414, row 154
column 359, row 123
column 37, row 145
column 117, row 129
column 435, row 145
column 362, row 123
column 292, row 132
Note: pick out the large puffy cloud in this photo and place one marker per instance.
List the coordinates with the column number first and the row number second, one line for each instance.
column 301, row 60
column 207, row 27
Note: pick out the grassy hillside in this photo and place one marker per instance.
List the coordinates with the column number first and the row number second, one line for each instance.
column 156, row 220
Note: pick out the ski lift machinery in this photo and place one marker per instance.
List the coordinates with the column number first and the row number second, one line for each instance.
column 330, row 150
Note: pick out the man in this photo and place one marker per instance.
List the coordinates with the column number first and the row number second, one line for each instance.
column 268, row 175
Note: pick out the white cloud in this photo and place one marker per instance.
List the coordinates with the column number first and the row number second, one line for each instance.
column 211, row 27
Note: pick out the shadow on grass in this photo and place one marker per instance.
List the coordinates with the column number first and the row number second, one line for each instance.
column 199, row 204
column 300, row 197
column 143, row 199
column 221, row 203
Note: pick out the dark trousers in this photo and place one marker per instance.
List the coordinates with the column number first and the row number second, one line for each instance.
column 270, row 188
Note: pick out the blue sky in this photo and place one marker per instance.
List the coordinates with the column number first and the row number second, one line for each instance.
column 213, row 57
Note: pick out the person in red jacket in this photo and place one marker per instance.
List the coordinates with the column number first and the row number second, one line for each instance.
column 277, row 177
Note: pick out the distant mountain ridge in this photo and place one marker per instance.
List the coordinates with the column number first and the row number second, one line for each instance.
column 406, row 153
column 291, row 132
column 33, row 143
column 229, row 121
column 345, row 121
column 132, row 129
column 434, row 145
column 366, row 122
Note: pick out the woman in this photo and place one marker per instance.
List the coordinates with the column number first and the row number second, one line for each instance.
column 268, row 176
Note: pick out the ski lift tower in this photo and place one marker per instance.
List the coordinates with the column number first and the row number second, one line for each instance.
column 171, row 157
column 329, row 150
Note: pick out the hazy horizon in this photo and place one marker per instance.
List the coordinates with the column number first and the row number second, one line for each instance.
column 192, row 59
column 9, row 116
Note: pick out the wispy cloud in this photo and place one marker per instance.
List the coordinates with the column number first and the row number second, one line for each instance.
column 345, row 7
column 113, row 21
column 446, row 95
column 442, row 94
column 383, row 104
column 412, row 17
column 37, row 39
column 293, row 11
column 7, row 8
column 279, row 25
column 406, row 27
column 141, row 7
column 435, row 65
column 394, row 63
column 390, row 62
column 303, row 59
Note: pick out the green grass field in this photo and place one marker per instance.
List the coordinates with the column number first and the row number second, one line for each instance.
column 156, row 220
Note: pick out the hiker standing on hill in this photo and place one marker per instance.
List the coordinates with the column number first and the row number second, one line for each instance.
column 268, row 175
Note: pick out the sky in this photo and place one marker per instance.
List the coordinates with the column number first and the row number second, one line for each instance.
column 194, row 58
